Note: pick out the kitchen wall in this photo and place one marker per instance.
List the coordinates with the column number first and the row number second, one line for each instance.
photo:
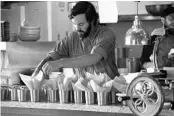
column 13, row 16
column 61, row 24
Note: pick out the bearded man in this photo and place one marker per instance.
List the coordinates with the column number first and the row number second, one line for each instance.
column 90, row 48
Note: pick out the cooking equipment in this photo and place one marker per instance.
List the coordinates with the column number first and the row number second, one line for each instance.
column 23, row 93
column 5, row 31
column 34, row 94
column 13, row 92
column 4, row 92
column 156, row 10
column 79, row 97
column 89, row 97
column 133, row 65
column 64, row 96
column 53, row 95
column 102, row 98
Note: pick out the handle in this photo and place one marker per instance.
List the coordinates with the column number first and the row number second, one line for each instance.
column 123, row 98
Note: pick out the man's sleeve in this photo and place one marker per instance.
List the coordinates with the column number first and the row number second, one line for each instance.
column 105, row 43
column 60, row 50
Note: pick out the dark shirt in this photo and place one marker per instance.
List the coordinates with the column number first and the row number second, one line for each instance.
column 165, row 45
column 101, row 40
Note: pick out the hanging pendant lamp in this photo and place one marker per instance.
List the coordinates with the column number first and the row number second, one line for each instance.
column 136, row 35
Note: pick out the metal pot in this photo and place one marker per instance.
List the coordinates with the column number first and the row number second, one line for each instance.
column 133, row 65
column 5, row 31
column 156, row 10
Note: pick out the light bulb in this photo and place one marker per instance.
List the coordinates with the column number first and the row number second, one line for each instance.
column 136, row 35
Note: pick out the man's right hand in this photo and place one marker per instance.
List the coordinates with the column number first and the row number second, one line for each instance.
column 36, row 71
column 40, row 65
column 148, row 65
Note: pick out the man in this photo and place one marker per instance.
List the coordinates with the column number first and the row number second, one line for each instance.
column 166, row 41
column 90, row 48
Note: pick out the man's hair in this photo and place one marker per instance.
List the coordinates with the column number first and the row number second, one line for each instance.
column 87, row 8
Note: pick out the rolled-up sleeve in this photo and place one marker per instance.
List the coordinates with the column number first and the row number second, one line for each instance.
column 60, row 50
column 105, row 43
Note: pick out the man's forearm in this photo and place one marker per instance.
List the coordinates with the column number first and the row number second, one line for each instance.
column 81, row 61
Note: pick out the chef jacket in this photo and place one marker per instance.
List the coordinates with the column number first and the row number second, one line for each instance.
column 101, row 40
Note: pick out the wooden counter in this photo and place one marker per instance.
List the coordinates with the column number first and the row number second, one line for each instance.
column 12, row 108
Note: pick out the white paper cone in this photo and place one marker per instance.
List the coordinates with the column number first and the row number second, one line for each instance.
column 27, row 80
column 38, row 80
column 81, row 84
column 95, row 87
column 108, row 85
column 120, row 87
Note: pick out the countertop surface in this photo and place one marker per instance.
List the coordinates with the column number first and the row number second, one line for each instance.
column 76, row 107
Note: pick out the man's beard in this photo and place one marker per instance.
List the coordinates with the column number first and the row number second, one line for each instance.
column 170, row 28
column 83, row 34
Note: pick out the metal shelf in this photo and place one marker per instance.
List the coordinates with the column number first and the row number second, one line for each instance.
column 145, row 17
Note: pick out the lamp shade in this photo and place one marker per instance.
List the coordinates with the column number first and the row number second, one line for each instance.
column 136, row 35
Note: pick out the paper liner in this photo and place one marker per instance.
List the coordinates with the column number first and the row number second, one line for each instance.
column 27, row 80
column 120, row 84
column 33, row 83
column 52, row 84
column 82, row 85
column 120, row 87
column 54, row 79
column 66, row 84
column 104, row 88
column 100, row 79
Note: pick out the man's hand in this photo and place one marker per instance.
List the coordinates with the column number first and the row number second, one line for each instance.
column 51, row 66
column 148, row 65
column 36, row 71
column 158, row 31
column 151, row 57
